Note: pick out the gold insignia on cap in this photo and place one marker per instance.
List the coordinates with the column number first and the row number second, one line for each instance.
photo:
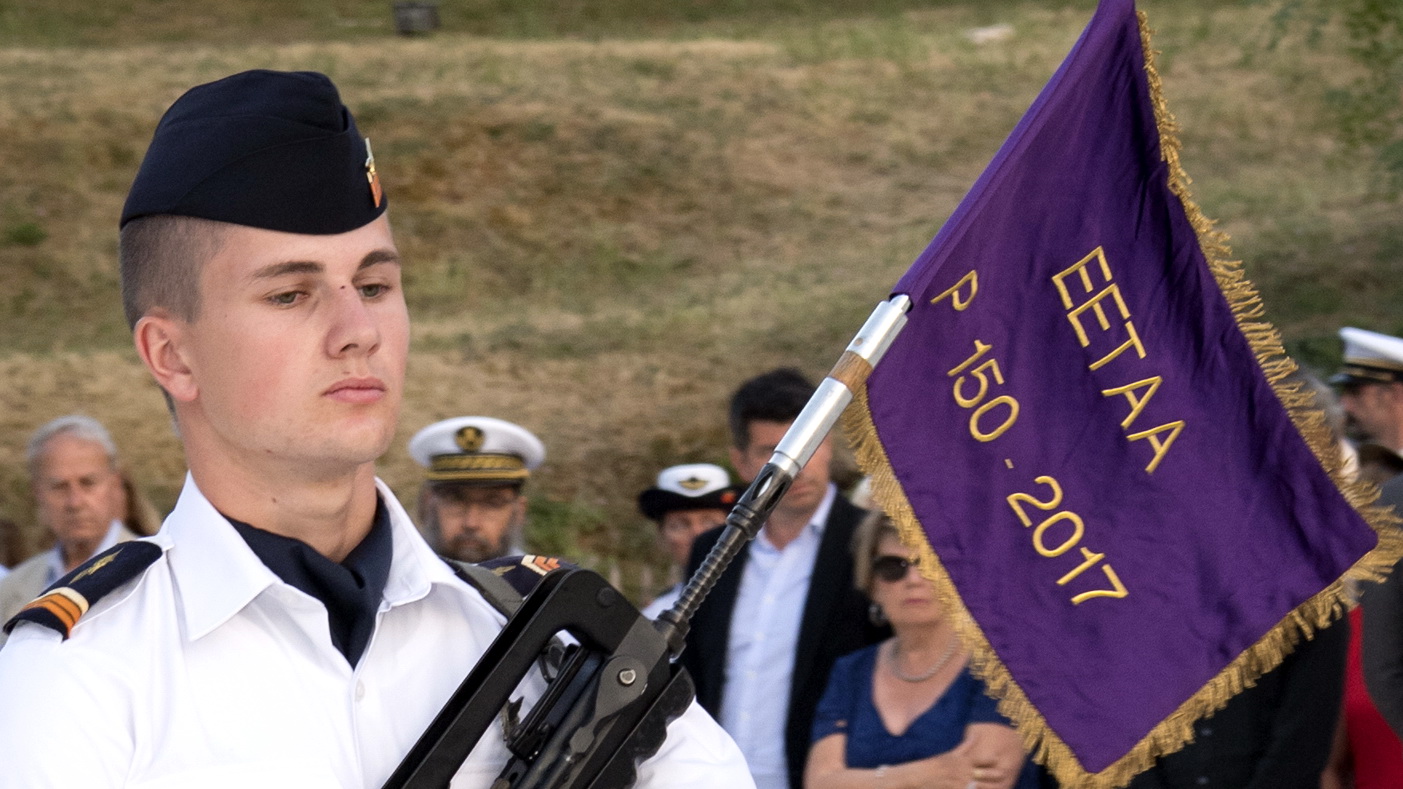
column 693, row 483
column 376, row 193
column 484, row 467
column 469, row 439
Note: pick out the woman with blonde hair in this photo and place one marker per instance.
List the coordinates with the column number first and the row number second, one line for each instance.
column 907, row 712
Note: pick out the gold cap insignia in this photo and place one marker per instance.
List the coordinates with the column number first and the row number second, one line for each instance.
column 692, row 483
column 376, row 193
column 469, row 439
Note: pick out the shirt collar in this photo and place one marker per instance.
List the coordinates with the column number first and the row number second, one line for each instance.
column 813, row 530
column 218, row 574
column 819, row 519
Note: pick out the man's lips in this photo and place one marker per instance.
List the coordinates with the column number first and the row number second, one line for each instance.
column 357, row 390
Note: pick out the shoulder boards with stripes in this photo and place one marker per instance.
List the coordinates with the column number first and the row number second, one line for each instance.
column 62, row 604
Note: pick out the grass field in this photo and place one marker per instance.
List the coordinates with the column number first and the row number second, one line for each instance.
column 613, row 212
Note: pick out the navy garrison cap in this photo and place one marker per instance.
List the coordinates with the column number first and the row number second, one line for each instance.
column 269, row 149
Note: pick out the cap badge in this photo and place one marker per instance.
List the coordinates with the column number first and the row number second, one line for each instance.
column 692, row 483
column 376, row 193
column 468, row 439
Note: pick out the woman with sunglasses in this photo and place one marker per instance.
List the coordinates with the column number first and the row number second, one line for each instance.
column 907, row 712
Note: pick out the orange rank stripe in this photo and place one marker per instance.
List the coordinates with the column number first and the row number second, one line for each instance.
column 65, row 604
column 541, row 564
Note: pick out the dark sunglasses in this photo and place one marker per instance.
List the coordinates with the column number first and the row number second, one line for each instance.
column 892, row 568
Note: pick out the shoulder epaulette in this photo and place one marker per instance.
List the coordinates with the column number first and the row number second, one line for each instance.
column 506, row 580
column 63, row 603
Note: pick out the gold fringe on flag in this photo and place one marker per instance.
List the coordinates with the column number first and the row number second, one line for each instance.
column 1314, row 614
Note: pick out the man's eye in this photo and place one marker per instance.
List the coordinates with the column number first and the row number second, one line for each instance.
column 285, row 299
column 371, row 291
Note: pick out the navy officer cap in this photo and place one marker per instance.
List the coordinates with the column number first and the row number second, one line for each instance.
column 268, row 149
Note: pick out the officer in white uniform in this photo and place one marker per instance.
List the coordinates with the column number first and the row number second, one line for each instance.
column 288, row 626
column 1371, row 387
column 473, row 505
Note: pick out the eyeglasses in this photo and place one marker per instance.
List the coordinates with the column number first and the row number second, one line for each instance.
column 892, row 568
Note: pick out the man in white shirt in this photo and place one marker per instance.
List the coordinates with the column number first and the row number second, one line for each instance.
column 78, row 494
column 288, row 626
column 762, row 643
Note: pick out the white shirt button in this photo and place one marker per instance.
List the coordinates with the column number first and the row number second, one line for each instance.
column 360, row 690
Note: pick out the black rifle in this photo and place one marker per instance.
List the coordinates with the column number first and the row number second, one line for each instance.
column 608, row 703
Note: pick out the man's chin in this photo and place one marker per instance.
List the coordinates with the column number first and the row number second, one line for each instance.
column 474, row 553
column 802, row 500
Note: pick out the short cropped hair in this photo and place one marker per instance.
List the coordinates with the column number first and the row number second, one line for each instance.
column 76, row 425
column 162, row 257
column 777, row 396
column 869, row 532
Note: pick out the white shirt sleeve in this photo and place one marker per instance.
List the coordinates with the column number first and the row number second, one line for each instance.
column 43, row 743
column 697, row 754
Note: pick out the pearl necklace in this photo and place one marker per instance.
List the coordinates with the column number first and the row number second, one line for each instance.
column 894, row 663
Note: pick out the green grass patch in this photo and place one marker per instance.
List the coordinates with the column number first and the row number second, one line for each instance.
column 612, row 212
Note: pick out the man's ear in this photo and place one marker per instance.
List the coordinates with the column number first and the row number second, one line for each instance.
column 160, row 341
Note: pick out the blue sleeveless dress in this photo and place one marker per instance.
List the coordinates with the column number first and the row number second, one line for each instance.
column 847, row 708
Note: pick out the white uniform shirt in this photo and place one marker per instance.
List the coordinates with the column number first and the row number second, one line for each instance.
column 764, row 634
column 208, row 671
column 662, row 602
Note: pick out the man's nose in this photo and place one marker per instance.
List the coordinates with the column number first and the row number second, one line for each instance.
column 353, row 328
column 473, row 516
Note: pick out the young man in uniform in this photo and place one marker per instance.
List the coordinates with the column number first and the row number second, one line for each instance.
column 288, row 627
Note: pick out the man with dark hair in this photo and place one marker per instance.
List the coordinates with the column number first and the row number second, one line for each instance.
column 288, row 626
column 761, row 645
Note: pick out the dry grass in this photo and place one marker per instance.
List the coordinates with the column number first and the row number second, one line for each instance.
column 605, row 237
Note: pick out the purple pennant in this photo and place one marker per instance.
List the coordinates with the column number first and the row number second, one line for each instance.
column 1084, row 433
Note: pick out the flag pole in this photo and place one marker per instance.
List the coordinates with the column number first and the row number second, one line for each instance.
column 800, row 442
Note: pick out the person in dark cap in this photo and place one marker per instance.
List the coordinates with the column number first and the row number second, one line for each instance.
column 685, row 501
column 288, row 625
column 472, row 507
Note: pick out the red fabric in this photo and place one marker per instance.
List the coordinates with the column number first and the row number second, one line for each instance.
column 1375, row 751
